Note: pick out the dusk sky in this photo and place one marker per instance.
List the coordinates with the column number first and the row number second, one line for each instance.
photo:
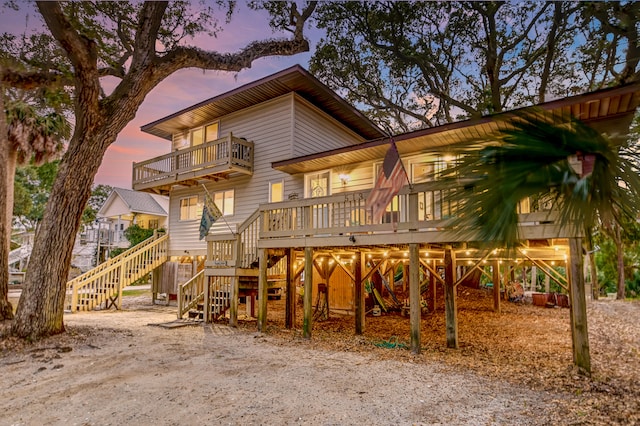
column 183, row 89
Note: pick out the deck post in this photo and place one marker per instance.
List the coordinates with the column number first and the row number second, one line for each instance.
column 206, row 307
column 235, row 284
column 432, row 282
column 262, row 290
column 414, row 296
column 450, row 308
column 578, row 309
column 290, row 313
column 308, row 293
column 495, row 268
column 233, row 303
column 359, row 294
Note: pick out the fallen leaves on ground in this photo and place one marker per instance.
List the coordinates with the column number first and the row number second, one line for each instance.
column 524, row 344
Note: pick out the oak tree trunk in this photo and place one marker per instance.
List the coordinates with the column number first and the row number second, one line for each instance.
column 41, row 308
column 6, row 310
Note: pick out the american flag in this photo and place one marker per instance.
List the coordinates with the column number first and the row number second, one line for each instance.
column 391, row 179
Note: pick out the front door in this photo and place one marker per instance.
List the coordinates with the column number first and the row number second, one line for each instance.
column 318, row 185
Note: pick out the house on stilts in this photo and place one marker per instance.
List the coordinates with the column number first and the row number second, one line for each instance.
column 290, row 165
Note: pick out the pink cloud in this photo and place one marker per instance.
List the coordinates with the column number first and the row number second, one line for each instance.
column 182, row 89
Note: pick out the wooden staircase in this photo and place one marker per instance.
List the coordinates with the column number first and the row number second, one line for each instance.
column 193, row 293
column 102, row 286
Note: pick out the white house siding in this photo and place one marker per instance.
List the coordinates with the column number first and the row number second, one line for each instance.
column 271, row 126
column 268, row 126
column 116, row 207
column 315, row 130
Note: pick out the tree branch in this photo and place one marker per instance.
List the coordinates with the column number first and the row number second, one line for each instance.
column 31, row 79
column 80, row 50
column 191, row 57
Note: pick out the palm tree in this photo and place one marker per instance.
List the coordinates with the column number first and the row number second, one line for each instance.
column 30, row 137
column 583, row 175
column 587, row 178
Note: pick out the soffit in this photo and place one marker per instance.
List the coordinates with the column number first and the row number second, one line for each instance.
column 294, row 79
column 607, row 110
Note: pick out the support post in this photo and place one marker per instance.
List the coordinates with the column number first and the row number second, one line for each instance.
column 359, row 294
column 432, row 280
column 233, row 303
column 262, row 290
column 206, row 308
column 450, row 308
column 308, row 293
column 290, row 313
column 578, row 311
column 235, row 284
column 414, row 297
column 495, row 267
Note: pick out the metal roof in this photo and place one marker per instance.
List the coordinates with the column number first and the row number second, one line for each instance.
column 608, row 110
column 294, row 79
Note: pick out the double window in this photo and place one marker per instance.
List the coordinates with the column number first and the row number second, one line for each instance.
column 191, row 207
column 200, row 135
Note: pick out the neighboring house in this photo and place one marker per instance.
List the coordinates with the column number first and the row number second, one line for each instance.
column 124, row 208
column 121, row 209
column 290, row 165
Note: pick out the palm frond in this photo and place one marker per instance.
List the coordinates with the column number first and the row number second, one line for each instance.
column 530, row 159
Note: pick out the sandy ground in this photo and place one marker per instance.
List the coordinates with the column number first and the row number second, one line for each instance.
column 119, row 367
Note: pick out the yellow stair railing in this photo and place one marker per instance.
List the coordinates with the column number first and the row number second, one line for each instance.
column 104, row 283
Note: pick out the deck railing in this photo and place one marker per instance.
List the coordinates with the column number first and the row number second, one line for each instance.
column 238, row 250
column 221, row 155
column 425, row 206
column 105, row 282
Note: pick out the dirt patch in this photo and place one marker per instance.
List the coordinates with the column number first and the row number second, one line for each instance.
column 111, row 367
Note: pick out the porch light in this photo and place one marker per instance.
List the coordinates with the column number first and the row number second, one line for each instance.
column 344, row 178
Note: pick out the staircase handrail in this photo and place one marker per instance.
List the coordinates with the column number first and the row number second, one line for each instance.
column 156, row 237
column 104, row 270
column 247, row 243
column 195, row 286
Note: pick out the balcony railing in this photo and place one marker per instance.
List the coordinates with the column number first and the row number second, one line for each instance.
column 425, row 209
column 220, row 157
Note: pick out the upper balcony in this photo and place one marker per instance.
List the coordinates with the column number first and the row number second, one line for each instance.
column 211, row 160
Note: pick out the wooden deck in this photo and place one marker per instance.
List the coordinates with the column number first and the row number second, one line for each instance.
column 211, row 160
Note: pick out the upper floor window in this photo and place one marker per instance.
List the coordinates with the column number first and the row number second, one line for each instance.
column 189, row 208
column 199, row 135
column 224, row 200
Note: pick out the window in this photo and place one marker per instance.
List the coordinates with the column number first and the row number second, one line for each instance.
column 197, row 136
column 189, row 208
column 224, row 201
column 276, row 191
column 317, row 184
column 211, row 132
column 153, row 224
